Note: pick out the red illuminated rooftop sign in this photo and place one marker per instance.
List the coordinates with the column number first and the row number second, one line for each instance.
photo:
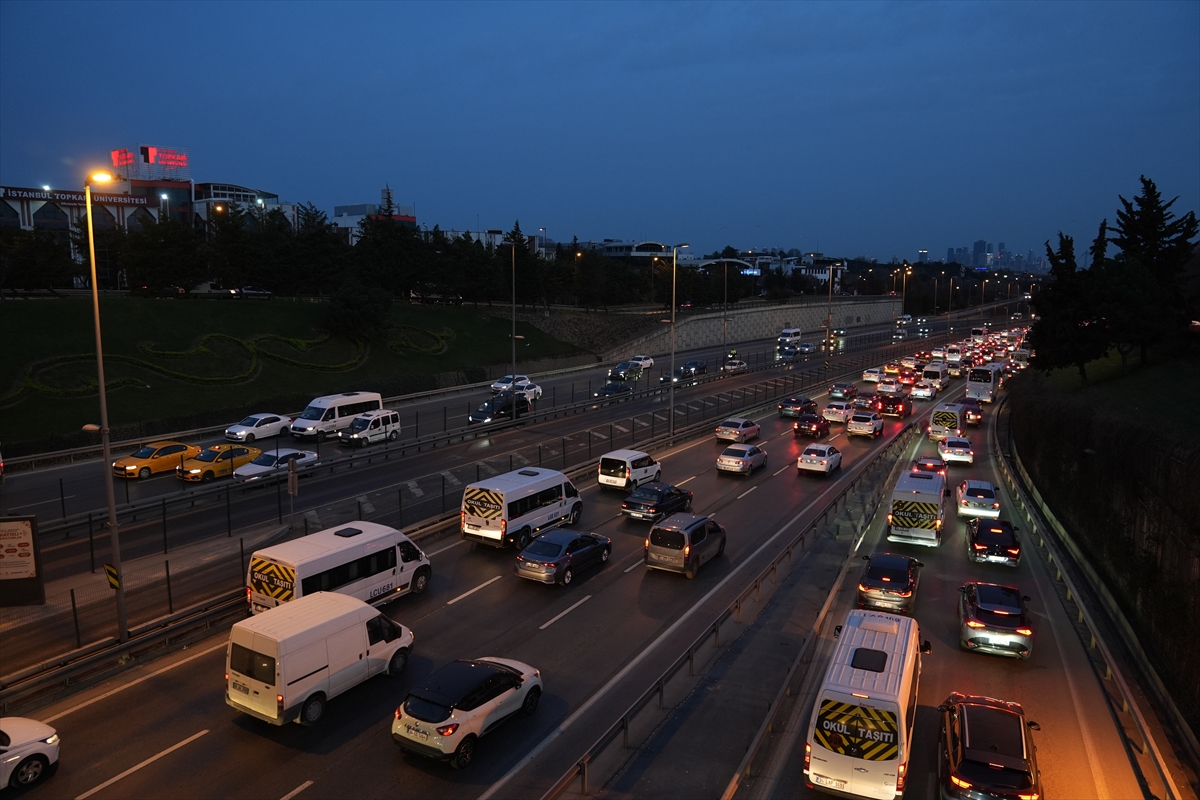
column 122, row 158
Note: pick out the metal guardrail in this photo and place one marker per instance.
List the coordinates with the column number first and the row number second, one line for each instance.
column 1038, row 527
column 713, row 631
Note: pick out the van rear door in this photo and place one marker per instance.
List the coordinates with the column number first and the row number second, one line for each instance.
column 856, row 746
column 253, row 665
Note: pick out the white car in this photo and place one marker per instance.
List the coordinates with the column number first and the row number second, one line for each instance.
column 531, row 391
column 873, row 375
column 258, row 426
column 28, row 751
column 272, row 463
column 823, row 458
column 923, row 390
column 507, row 383
column 954, row 448
column 890, row 385
column 444, row 715
column 737, row 429
column 977, row 499
column 734, row 365
column 865, row 423
column 741, row 458
column 645, row 362
column 938, row 352
column 838, row 411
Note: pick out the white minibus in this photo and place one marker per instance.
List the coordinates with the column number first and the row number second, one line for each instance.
column 515, row 507
column 325, row 416
column 983, row 382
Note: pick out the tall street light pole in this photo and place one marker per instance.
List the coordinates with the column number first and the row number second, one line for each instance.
column 113, row 533
column 513, row 375
column 725, row 312
column 671, row 383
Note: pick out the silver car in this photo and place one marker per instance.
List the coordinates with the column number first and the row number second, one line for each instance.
column 838, row 411
column 994, row 619
column 889, row 583
column 737, row 429
column 955, row 448
column 977, row 499
column 742, row 458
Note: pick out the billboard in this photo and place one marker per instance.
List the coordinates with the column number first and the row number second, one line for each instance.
column 152, row 162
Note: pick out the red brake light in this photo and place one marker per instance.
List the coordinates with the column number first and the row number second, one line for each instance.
column 279, row 705
column 905, row 593
column 247, row 595
column 397, row 712
column 979, row 546
column 1014, row 551
column 960, row 783
column 448, row 730
column 503, row 528
column 1025, row 631
column 687, row 550
column 974, row 623
column 995, row 505
column 862, row 588
column 901, row 777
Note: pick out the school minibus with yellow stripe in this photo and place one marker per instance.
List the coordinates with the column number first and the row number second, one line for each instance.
column 917, row 512
column 515, row 507
column 859, row 738
column 372, row 562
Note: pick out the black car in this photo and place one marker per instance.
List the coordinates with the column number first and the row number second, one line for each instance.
column 889, row 582
column 993, row 541
column 893, row 405
column 499, row 408
column 614, row 390
column 973, row 410
column 787, row 352
column 698, row 367
column 556, row 556
column 842, row 391
column 625, row 371
column 796, row 406
column 987, row 749
column 930, row 464
column 654, row 501
column 864, row 401
column 810, row 425
column 680, row 375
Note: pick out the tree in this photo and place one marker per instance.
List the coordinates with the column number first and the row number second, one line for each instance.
column 1069, row 332
column 359, row 312
column 29, row 260
column 166, row 253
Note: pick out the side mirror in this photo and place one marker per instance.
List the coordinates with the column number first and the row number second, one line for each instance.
column 866, row 558
column 917, row 563
column 962, row 589
column 837, row 631
column 1015, row 528
column 1033, row 726
column 926, row 648
column 944, row 708
column 1025, row 597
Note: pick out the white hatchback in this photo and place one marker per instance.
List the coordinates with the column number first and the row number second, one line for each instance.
column 838, row 411
column 873, row 375
column 955, row 448
column 272, row 463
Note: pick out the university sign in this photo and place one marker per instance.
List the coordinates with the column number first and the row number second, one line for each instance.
column 71, row 198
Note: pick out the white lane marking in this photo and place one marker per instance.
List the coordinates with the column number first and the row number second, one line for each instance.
column 643, row 424
column 444, row 549
column 147, row 762
column 634, row 566
column 488, row 468
column 417, row 491
column 297, row 790
column 785, row 469
column 599, row 435
column 520, row 459
column 473, row 591
column 41, row 503
column 748, row 491
column 450, row 479
column 123, row 687
column 606, row 688
column 787, row 433
column 622, row 430
column 685, row 480
column 563, row 614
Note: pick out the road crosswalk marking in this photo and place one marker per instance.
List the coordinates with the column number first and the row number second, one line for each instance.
column 417, row 491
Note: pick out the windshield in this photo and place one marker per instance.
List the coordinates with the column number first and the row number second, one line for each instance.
column 249, row 422
column 265, row 460
column 143, row 452
column 208, row 455
column 313, row 412
column 541, row 548
column 505, row 379
column 488, row 407
column 980, row 376
column 980, row 494
column 360, row 424
column 425, row 710
column 647, row 493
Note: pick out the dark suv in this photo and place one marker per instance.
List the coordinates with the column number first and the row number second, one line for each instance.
column 893, row 405
column 625, row 371
column 986, row 749
column 796, row 406
column 499, row 408
column 697, row 367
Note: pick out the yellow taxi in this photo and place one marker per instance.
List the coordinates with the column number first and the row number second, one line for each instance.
column 151, row 459
column 218, row 461
column 891, row 368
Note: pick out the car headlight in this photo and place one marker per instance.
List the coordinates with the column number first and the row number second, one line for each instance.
column 193, row 472
column 52, row 739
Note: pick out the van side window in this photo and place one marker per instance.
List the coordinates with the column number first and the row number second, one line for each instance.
column 551, row 496
column 408, row 552
column 571, row 490
column 699, row 535
column 356, row 569
column 395, row 420
column 375, row 630
column 330, row 413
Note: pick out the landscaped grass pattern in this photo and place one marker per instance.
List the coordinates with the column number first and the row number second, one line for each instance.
column 205, row 361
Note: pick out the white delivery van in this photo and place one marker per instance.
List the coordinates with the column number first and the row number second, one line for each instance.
column 372, row 426
column 325, row 416
column 285, row 665
column 860, row 733
column 789, row 336
column 366, row 560
column 946, row 420
column 515, row 507
column 954, row 354
column 937, row 373
column 917, row 513
column 627, row 469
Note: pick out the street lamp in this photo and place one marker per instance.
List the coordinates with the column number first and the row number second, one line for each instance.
column 114, row 538
column 904, row 290
column 543, row 230
column 513, row 375
column 162, row 211
column 671, row 383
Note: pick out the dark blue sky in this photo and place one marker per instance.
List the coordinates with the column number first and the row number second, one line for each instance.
column 853, row 128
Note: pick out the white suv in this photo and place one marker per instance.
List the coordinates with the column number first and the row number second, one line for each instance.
column 865, row 423
column 838, row 411
column 446, row 714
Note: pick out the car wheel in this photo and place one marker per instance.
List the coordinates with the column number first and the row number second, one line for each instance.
column 721, row 549
column 249, row 438
column 208, row 476
column 420, row 581
column 576, row 510
column 399, row 662
column 688, row 505
column 144, row 473
column 604, row 554
column 29, row 771
column 463, row 754
column 393, row 436
column 320, row 436
column 690, row 571
column 531, row 702
column 633, row 485
column 522, row 538
column 312, row 710
column 567, row 577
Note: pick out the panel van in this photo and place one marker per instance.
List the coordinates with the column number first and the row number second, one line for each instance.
column 372, row 426
column 515, row 507
column 860, row 732
column 325, row 416
column 284, row 665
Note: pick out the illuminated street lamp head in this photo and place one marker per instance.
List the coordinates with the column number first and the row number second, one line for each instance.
column 99, row 177
column 220, row 208
column 91, row 427
column 681, row 246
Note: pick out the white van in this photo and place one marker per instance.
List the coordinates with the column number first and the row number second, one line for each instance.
column 372, row 426
column 917, row 513
column 325, row 416
column 860, row 733
column 627, row 469
column 515, row 507
column 947, row 420
column 789, row 336
column 368, row 561
column 285, row 665
column 937, row 373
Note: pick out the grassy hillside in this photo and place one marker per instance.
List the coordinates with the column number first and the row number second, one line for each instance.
column 204, row 362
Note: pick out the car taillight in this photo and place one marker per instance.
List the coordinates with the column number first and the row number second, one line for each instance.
column 1025, row 631
column 974, row 623
column 959, row 782
column 1014, row 551
column 807, row 755
column 397, row 712
column 937, row 525
column 279, row 705
column 248, row 601
column 979, row 546
column 462, row 519
column 447, row 730
column 687, row 550
column 628, row 472
column 889, row 519
column 652, row 510
column 901, row 777
column 995, row 505
column 903, row 593
column 862, row 588
column 503, row 528
column 1030, row 796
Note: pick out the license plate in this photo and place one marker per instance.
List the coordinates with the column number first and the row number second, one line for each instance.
column 417, row 733
column 239, row 687
column 821, row 779
column 1000, row 559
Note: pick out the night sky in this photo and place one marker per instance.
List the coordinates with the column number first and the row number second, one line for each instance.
column 857, row 128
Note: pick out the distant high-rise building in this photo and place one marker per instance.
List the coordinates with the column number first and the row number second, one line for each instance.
column 949, row 255
column 922, row 256
column 1000, row 248
column 979, row 254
